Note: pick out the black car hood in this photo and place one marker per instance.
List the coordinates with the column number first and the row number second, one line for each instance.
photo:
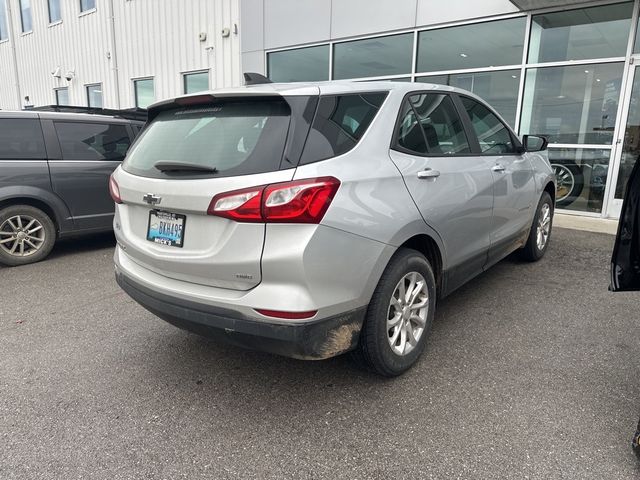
column 625, row 263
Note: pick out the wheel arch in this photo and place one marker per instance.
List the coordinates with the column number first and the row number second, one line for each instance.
column 427, row 246
column 42, row 202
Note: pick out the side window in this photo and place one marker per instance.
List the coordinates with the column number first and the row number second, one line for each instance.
column 21, row 139
column 493, row 136
column 92, row 141
column 430, row 125
column 340, row 122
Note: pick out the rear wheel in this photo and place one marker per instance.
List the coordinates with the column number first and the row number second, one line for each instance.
column 540, row 232
column 400, row 315
column 570, row 181
column 27, row 235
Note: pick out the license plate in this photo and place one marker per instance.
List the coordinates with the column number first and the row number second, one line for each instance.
column 166, row 228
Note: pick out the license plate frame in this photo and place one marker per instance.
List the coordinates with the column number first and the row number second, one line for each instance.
column 159, row 235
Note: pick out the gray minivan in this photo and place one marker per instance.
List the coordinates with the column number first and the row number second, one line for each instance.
column 54, row 175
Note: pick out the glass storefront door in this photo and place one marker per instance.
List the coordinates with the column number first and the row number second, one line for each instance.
column 629, row 150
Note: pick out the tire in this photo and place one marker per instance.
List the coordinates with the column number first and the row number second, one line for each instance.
column 570, row 182
column 535, row 248
column 19, row 245
column 375, row 350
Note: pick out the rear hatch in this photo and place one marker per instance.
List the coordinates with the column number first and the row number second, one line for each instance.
column 188, row 155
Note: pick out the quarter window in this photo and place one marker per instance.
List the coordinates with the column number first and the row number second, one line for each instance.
column 21, row 139
column 340, row 123
column 493, row 136
column 92, row 141
column 430, row 125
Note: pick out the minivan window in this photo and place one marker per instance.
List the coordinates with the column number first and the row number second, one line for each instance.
column 92, row 141
column 430, row 125
column 234, row 137
column 21, row 139
column 493, row 135
column 340, row 122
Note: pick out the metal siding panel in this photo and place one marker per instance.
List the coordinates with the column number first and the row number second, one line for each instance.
column 152, row 39
column 292, row 22
column 349, row 18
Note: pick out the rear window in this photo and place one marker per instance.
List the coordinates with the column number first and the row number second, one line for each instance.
column 235, row 138
column 21, row 139
column 340, row 122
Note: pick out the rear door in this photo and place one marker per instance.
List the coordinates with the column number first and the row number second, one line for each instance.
column 89, row 153
column 452, row 187
column 244, row 141
column 514, row 181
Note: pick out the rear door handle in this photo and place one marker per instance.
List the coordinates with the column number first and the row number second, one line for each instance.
column 498, row 168
column 428, row 173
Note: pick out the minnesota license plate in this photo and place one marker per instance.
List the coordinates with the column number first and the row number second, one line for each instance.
column 166, row 228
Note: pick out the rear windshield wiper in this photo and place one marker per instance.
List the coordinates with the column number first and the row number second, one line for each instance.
column 184, row 167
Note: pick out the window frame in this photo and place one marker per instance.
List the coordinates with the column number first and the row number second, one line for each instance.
column 519, row 149
column 55, row 95
column 54, row 132
column 86, row 91
column 134, row 82
column 87, row 10
column 195, row 72
column 472, row 140
column 22, row 30
column 51, row 21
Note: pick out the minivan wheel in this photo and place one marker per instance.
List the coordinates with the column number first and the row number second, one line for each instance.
column 27, row 235
column 540, row 232
column 399, row 317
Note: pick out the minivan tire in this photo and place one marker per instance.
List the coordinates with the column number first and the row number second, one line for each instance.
column 374, row 349
column 48, row 240
column 531, row 252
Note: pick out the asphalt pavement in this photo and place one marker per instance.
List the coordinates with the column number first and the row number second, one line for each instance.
column 532, row 371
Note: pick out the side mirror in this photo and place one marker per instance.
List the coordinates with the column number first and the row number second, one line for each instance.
column 534, row 143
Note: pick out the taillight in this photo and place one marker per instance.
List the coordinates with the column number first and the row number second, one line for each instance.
column 240, row 205
column 114, row 190
column 299, row 201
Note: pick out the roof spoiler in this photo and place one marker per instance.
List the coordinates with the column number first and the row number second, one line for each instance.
column 139, row 114
column 251, row 78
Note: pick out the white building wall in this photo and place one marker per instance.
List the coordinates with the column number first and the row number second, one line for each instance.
column 150, row 38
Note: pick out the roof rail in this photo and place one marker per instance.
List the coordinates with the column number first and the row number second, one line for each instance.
column 139, row 114
column 251, row 78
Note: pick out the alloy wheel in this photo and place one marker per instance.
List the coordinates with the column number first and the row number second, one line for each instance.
column 21, row 235
column 407, row 313
column 544, row 226
column 565, row 182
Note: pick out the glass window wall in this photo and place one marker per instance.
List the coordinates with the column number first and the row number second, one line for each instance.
column 597, row 32
column 373, row 57
column 458, row 48
column 299, row 65
column 498, row 88
column 577, row 104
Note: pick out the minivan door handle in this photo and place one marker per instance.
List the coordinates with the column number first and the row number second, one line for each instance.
column 498, row 168
column 428, row 173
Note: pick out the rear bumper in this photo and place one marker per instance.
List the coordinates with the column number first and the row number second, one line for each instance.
column 310, row 340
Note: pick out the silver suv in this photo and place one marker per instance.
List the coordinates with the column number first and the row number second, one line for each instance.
column 309, row 220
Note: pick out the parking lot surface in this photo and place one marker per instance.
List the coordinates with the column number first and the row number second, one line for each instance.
column 532, row 371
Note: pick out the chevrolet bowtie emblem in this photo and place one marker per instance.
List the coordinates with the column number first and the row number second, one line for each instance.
column 152, row 199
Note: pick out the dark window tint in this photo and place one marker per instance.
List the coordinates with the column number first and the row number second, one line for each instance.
column 434, row 118
column 235, row 138
column 340, row 122
column 493, row 136
column 92, row 141
column 21, row 139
